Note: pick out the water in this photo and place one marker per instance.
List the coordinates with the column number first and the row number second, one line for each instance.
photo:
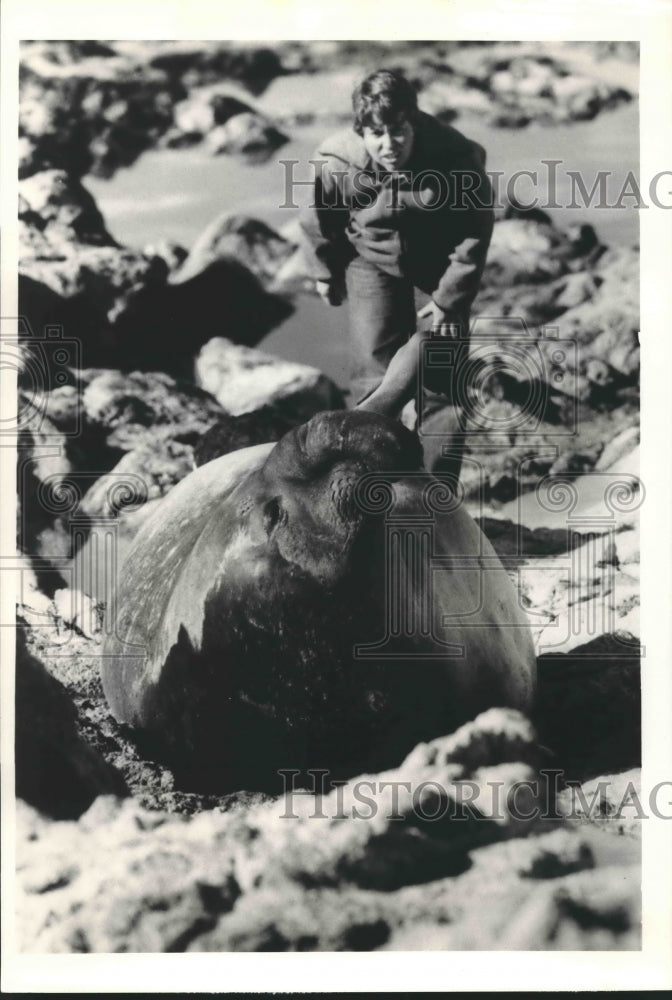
column 539, row 511
column 174, row 194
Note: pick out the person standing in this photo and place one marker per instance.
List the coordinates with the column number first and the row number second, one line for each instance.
column 398, row 222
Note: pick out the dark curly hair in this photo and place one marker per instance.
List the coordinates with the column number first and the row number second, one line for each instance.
column 382, row 98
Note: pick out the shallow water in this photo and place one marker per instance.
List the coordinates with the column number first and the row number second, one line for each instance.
column 174, row 194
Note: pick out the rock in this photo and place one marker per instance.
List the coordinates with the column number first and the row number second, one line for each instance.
column 576, row 463
column 168, row 881
column 131, row 438
column 78, row 611
column 221, row 882
column 515, row 540
column 242, row 238
column 171, row 253
column 92, row 113
column 153, row 423
column 246, row 134
column 614, row 450
column 231, row 433
column 155, row 892
column 37, row 581
column 612, row 802
column 208, row 108
column 198, row 63
column 575, row 289
column 42, row 473
column 108, row 274
column 56, row 771
column 356, row 834
column 589, row 910
column 444, row 99
column 243, row 380
column 590, row 594
column 524, row 250
column 581, row 98
column 525, row 85
column 158, row 330
column 132, row 407
column 60, row 208
column 144, row 474
column 607, row 325
column 308, row 920
column 524, row 77
column 589, row 707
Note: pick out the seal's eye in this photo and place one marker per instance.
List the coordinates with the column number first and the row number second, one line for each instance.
column 272, row 514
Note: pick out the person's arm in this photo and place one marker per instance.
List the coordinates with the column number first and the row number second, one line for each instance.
column 322, row 219
column 459, row 284
column 400, row 381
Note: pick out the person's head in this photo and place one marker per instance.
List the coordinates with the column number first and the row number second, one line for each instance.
column 386, row 111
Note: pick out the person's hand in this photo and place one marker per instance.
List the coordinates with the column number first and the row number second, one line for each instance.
column 331, row 292
column 433, row 313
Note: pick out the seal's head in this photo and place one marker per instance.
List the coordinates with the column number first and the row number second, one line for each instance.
column 303, row 502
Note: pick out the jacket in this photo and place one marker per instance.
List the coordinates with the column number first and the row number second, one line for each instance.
column 418, row 223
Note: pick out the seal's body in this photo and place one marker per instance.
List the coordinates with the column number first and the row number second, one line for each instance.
column 318, row 603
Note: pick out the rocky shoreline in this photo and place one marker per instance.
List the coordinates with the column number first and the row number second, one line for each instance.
column 158, row 372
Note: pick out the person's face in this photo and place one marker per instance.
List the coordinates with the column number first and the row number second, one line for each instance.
column 389, row 145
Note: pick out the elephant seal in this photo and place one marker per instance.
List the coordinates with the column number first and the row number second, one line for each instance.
column 301, row 605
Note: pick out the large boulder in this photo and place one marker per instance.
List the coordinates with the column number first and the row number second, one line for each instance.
column 246, row 134
column 241, row 238
column 243, row 380
column 230, row 433
column 227, row 122
column 153, row 423
column 55, row 208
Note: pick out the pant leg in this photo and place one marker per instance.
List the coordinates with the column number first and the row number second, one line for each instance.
column 444, row 406
column 382, row 318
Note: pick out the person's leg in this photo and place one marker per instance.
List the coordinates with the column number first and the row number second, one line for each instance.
column 382, row 318
column 445, row 401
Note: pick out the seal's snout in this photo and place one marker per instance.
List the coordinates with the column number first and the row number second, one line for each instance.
column 379, row 443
